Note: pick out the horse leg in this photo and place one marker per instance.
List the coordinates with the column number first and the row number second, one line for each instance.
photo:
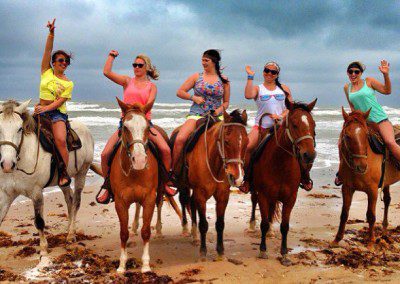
column 220, row 225
column 252, row 223
column 271, row 216
column 203, row 226
column 264, row 226
column 386, row 200
column 372, row 198
column 193, row 209
column 159, row 223
column 67, row 191
column 5, row 203
column 184, row 200
column 148, row 210
column 80, row 179
column 123, row 215
column 347, row 197
column 37, row 199
column 135, row 224
column 286, row 210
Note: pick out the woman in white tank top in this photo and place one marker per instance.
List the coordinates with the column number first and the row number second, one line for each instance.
column 270, row 98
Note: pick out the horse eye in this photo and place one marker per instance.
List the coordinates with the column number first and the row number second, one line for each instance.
column 20, row 130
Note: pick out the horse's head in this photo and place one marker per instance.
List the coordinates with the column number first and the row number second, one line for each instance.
column 354, row 140
column 300, row 129
column 135, row 133
column 14, row 122
column 233, row 143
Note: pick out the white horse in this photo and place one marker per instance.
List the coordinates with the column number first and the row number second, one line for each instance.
column 25, row 166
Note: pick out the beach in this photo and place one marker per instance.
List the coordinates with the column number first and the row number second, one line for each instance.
column 314, row 221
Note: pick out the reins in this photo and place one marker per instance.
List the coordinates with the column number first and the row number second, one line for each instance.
column 221, row 147
column 18, row 148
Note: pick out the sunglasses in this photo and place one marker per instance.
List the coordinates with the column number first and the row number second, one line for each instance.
column 137, row 65
column 273, row 72
column 278, row 97
column 62, row 60
column 353, row 71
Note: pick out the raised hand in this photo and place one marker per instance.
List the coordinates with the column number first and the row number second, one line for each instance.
column 51, row 25
column 114, row 53
column 249, row 71
column 385, row 66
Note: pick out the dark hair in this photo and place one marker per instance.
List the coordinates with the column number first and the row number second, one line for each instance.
column 68, row 56
column 280, row 86
column 215, row 57
column 356, row 64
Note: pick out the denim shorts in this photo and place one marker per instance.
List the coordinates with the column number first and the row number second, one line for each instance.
column 56, row 115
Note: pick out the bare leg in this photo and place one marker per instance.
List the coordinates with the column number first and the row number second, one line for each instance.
column 60, row 135
column 180, row 140
column 386, row 200
column 386, row 130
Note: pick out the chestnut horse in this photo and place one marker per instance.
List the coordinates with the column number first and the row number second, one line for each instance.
column 134, row 178
column 214, row 165
column 283, row 165
column 361, row 169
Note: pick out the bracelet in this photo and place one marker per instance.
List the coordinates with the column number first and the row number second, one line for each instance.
column 191, row 97
column 113, row 55
column 51, row 35
column 250, row 77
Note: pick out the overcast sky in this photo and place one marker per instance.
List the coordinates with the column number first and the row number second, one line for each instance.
column 313, row 41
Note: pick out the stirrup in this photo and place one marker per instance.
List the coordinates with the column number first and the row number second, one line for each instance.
column 337, row 181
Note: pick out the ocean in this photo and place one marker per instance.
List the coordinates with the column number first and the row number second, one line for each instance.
column 102, row 119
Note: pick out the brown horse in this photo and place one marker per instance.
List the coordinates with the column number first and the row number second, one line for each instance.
column 284, row 165
column 361, row 169
column 134, row 178
column 214, row 165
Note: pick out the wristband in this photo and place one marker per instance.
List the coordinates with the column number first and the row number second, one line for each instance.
column 113, row 55
column 250, row 77
column 191, row 97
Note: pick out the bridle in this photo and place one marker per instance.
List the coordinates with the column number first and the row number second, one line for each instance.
column 18, row 148
column 130, row 144
column 294, row 142
column 221, row 148
column 351, row 154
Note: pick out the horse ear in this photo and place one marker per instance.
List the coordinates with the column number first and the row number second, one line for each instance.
column 288, row 104
column 244, row 116
column 227, row 117
column 146, row 108
column 366, row 114
column 311, row 105
column 345, row 115
column 22, row 107
column 122, row 105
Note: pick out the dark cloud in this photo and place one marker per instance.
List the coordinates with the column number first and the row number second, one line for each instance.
column 312, row 40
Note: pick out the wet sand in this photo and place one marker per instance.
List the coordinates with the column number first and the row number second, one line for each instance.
column 314, row 223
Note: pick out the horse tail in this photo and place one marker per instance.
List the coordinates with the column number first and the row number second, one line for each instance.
column 277, row 212
column 172, row 202
column 96, row 168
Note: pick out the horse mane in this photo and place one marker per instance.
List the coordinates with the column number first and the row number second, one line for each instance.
column 29, row 124
column 237, row 117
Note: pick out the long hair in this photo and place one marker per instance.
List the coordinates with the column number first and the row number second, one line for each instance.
column 215, row 57
column 151, row 70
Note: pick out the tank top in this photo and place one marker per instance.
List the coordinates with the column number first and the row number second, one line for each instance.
column 365, row 99
column 211, row 93
column 267, row 101
column 133, row 94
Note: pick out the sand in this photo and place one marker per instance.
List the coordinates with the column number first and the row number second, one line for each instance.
column 314, row 222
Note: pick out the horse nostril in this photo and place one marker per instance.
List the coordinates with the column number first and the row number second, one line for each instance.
column 1, row 164
column 13, row 165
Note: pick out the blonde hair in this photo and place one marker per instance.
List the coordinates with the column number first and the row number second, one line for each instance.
column 150, row 68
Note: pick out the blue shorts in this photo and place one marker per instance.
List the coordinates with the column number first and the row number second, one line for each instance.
column 55, row 115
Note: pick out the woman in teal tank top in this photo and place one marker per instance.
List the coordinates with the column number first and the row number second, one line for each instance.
column 361, row 96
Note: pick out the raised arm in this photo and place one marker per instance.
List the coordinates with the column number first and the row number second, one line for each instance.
column 186, row 87
column 386, row 88
column 122, row 80
column 250, row 91
column 48, row 48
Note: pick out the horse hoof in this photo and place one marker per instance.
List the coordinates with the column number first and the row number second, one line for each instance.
column 334, row 244
column 185, row 234
column 44, row 261
column 286, row 262
column 159, row 236
column 252, row 227
column 270, row 234
column 220, row 258
column 263, row 255
column 146, row 269
column 121, row 270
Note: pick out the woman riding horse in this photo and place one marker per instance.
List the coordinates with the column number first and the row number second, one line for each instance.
column 55, row 90
column 138, row 89
column 361, row 96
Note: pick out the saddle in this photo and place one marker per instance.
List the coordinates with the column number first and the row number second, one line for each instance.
column 182, row 166
column 378, row 145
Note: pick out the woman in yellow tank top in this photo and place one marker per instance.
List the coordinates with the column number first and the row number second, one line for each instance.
column 55, row 90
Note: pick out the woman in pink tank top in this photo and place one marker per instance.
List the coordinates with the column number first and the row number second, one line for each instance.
column 138, row 89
